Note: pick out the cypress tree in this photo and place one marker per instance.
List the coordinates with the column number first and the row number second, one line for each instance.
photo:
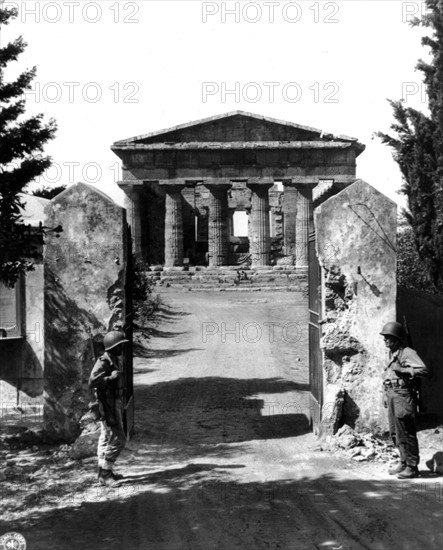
column 418, row 149
column 21, row 161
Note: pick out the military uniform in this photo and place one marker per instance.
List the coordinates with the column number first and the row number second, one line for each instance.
column 110, row 395
column 400, row 402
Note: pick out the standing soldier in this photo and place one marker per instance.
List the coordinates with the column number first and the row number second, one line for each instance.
column 398, row 379
column 107, row 381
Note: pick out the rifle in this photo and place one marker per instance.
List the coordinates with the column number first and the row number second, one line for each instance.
column 415, row 382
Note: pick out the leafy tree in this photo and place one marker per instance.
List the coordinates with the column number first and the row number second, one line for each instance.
column 411, row 271
column 145, row 300
column 418, row 149
column 21, row 161
column 49, row 192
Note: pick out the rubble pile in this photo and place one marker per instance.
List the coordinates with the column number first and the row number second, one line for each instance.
column 360, row 446
column 26, row 455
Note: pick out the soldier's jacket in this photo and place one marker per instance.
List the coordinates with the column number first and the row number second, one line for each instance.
column 107, row 391
column 406, row 357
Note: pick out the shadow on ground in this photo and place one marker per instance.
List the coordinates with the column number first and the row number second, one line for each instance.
column 195, row 508
column 213, row 410
column 145, row 353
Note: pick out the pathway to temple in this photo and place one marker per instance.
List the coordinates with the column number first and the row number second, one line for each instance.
column 223, row 457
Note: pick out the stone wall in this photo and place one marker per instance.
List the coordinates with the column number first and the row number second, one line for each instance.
column 356, row 238
column 84, row 279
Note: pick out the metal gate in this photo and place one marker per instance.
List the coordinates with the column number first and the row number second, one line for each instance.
column 315, row 362
column 128, row 413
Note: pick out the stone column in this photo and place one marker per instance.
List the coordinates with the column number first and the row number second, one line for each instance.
column 218, row 235
column 133, row 206
column 173, row 226
column 289, row 222
column 259, row 230
column 303, row 225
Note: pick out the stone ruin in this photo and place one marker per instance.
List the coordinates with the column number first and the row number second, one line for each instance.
column 185, row 185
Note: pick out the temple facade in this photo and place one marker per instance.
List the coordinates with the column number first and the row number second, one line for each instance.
column 234, row 189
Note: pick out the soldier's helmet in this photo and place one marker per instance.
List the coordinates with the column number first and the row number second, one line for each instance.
column 394, row 329
column 114, row 338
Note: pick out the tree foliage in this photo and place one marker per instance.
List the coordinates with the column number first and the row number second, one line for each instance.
column 47, row 192
column 411, row 271
column 21, row 161
column 417, row 146
column 144, row 300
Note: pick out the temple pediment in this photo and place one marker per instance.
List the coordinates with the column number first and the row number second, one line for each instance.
column 234, row 127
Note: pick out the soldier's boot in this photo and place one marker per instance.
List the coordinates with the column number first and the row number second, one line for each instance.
column 397, row 468
column 107, row 478
column 408, row 473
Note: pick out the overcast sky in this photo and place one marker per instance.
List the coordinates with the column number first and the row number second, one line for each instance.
column 111, row 70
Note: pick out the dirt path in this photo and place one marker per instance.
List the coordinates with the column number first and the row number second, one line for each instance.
column 223, row 457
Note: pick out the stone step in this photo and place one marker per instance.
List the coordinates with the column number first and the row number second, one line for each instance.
column 226, row 286
column 232, row 282
column 223, row 274
column 239, row 289
column 226, row 278
column 228, row 269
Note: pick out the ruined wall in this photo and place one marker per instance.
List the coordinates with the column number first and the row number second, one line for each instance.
column 83, row 298
column 356, row 236
column 424, row 316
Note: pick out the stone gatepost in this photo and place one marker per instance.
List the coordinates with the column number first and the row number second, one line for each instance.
column 84, row 273
column 356, row 247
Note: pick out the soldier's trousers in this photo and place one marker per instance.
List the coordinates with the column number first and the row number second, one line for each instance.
column 111, row 442
column 401, row 417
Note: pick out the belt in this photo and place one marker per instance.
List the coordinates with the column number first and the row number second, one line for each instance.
column 396, row 383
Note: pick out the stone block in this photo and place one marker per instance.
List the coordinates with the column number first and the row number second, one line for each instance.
column 86, row 444
column 347, row 438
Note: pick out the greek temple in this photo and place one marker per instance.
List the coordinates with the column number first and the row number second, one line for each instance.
column 186, row 186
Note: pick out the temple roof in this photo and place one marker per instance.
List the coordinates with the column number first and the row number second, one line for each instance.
column 238, row 129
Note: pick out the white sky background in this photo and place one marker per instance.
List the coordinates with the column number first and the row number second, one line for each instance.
column 149, row 61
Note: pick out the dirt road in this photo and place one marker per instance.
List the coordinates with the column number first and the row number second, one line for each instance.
column 223, row 457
